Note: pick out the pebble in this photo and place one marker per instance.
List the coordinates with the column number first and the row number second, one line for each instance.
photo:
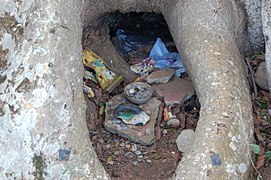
column 164, row 132
column 107, row 146
column 128, row 146
column 137, row 152
column 185, row 140
column 94, row 138
column 129, row 155
column 173, row 123
column 139, row 159
column 101, row 141
column 148, row 161
column 140, row 156
column 111, row 162
column 122, row 144
column 148, row 112
column 134, row 147
column 135, row 163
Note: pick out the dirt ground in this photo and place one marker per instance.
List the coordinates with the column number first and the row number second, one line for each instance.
column 124, row 159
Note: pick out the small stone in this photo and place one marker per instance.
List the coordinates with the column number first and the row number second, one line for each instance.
column 137, row 152
column 148, row 112
column 160, row 76
column 148, row 161
column 173, row 123
column 261, row 76
column 134, row 147
column 122, row 144
column 111, row 162
column 135, row 163
column 94, row 138
column 139, row 159
column 107, row 146
column 145, row 152
column 128, row 146
column 164, row 132
column 129, row 155
column 131, row 91
column 140, row 156
column 185, row 140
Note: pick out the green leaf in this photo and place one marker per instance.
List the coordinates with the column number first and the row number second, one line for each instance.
column 268, row 154
column 255, row 148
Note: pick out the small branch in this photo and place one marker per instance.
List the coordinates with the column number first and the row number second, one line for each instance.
column 252, row 77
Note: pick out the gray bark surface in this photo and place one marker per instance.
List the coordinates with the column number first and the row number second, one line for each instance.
column 266, row 21
column 206, row 39
column 43, row 110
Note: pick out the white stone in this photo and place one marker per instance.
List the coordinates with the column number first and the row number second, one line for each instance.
column 185, row 140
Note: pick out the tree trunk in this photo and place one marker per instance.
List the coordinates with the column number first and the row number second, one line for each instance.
column 43, row 131
column 266, row 20
column 206, row 38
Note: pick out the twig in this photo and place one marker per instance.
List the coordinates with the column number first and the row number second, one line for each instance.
column 252, row 77
column 159, row 119
column 255, row 167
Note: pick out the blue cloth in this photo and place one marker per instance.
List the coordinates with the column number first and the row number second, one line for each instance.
column 165, row 59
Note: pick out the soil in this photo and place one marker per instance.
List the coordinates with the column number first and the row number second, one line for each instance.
column 124, row 159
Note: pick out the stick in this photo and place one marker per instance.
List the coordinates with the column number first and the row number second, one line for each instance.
column 159, row 120
column 252, row 77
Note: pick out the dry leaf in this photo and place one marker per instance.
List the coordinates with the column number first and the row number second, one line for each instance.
column 260, row 161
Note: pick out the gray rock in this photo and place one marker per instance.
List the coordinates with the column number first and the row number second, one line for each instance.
column 137, row 152
column 139, row 134
column 185, row 140
column 261, row 76
column 173, row 123
column 160, row 76
column 134, row 147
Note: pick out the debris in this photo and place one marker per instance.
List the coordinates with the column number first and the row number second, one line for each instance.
column 165, row 59
column 138, row 92
column 159, row 119
column 144, row 67
column 160, row 76
column 176, row 91
column 107, row 79
column 88, row 91
column 131, row 114
column 185, row 140
column 132, row 132
column 261, row 76
column 130, row 41
column 181, row 117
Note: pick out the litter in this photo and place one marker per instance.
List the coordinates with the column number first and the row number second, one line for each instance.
column 144, row 67
column 131, row 114
column 106, row 78
column 165, row 59
column 130, row 40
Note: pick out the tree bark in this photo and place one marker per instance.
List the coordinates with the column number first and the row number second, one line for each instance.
column 206, row 38
column 266, row 20
column 43, row 132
